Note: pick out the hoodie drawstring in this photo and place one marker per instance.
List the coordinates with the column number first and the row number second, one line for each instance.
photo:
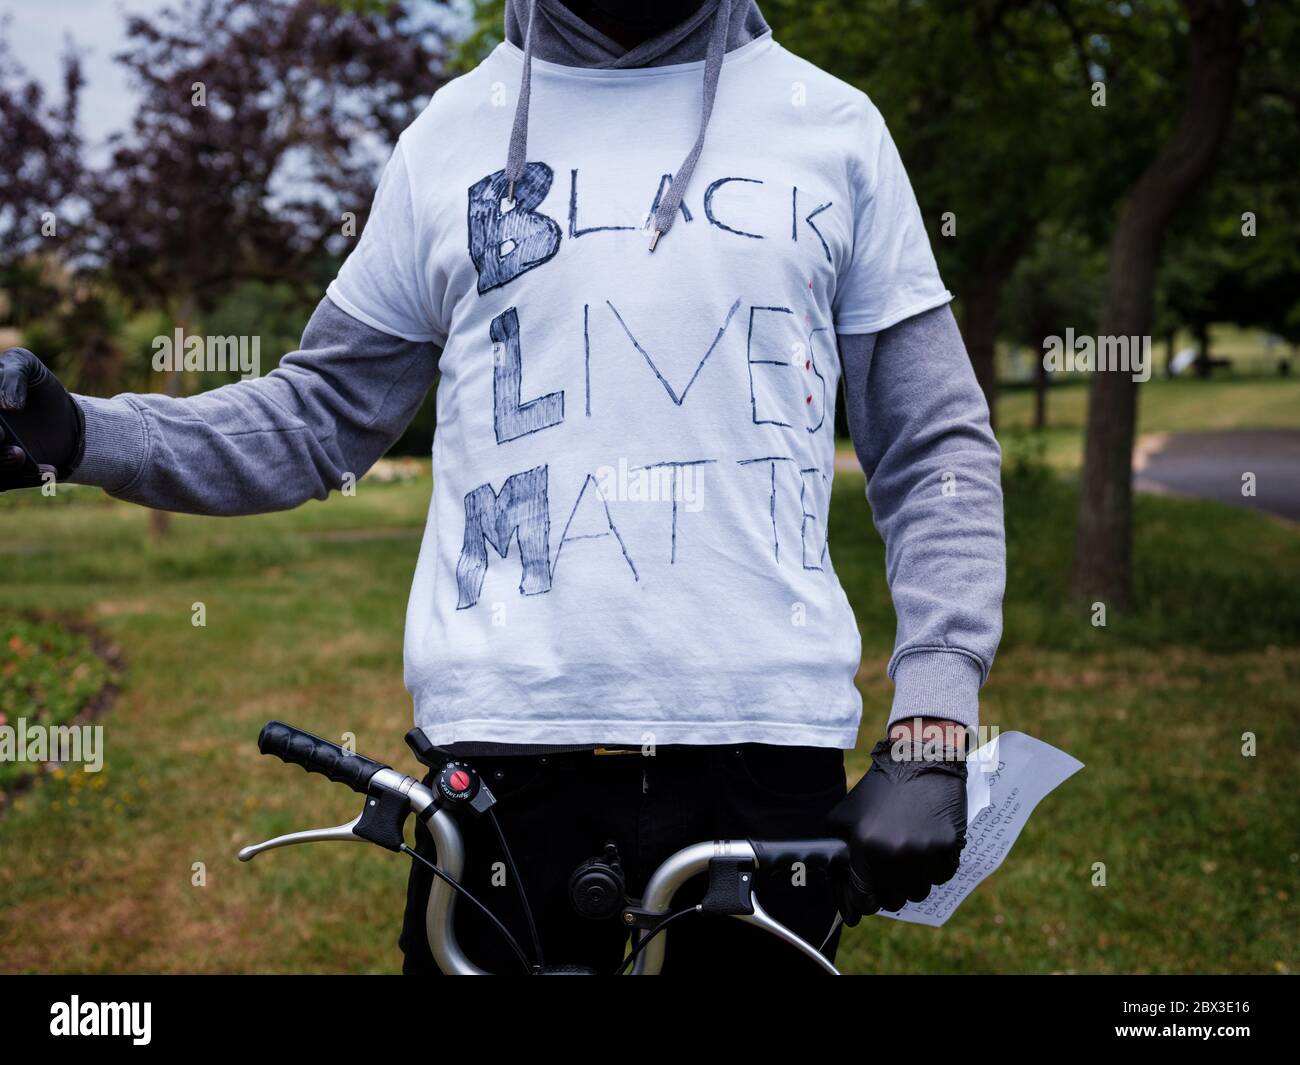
column 517, row 154
column 666, row 213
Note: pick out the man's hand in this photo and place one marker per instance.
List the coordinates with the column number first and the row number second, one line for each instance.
column 904, row 821
column 40, row 424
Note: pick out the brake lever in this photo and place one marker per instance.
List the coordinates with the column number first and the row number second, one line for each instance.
column 339, row 833
column 731, row 892
column 762, row 919
column 381, row 821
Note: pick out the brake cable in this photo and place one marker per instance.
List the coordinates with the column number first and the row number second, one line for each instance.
column 519, row 885
column 635, row 951
column 465, row 893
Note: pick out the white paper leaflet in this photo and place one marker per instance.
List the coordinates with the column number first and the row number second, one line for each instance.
column 1006, row 779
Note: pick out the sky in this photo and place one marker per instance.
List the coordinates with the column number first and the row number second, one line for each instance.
column 37, row 30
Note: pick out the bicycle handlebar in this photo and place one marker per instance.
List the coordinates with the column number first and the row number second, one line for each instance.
column 316, row 755
column 394, row 793
column 783, row 853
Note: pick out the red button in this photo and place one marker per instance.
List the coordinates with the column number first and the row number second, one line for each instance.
column 459, row 780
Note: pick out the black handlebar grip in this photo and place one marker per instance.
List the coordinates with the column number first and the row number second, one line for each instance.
column 782, row 853
column 316, row 755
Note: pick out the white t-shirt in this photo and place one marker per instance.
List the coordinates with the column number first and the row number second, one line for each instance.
column 627, row 540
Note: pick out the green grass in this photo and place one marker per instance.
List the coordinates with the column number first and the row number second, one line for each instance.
column 304, row 616
column 1164, row 406
column 1200, row 860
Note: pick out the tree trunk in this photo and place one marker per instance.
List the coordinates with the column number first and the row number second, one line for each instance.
column 980, row 331
column 1103, row 551
column 1203, row 365
column 1040, row 395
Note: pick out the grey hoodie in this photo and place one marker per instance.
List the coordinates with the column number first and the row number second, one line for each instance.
column 333, row 407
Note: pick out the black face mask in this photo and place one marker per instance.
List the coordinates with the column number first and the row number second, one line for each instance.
column 641, row 16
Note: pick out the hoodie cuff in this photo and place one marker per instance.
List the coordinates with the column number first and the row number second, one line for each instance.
column 937, row 684
column 116, row 443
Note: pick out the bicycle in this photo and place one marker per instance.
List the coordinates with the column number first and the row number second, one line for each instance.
column 596, row 888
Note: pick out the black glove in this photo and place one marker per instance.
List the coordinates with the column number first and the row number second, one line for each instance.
column 40, row 423
column 905, row 824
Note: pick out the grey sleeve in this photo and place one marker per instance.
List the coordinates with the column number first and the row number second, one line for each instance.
column 270, row 443
column 920, row 426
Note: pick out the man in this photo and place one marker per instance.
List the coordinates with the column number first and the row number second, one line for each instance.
column 624, row 609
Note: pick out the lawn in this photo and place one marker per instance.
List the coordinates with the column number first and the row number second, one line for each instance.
column 1164, row 405
column 134, row 868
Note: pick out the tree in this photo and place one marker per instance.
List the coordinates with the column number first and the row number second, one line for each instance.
column 1102, row 561
column 41, row 167
column 1055, row 287
column 258, row 128
column 255, row 141
column 1236, row 256
column 988, row 103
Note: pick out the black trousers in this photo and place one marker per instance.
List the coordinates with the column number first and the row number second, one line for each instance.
column 559, row 810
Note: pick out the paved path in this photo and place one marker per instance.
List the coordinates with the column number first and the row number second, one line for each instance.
column 1207, row 466
column 1211, row 466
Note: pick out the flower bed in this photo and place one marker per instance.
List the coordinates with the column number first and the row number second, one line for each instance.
column 49, row 675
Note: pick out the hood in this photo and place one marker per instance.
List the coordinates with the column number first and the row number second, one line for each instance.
column 551, row 32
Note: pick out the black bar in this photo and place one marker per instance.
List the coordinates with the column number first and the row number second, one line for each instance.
column 979, row 1015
